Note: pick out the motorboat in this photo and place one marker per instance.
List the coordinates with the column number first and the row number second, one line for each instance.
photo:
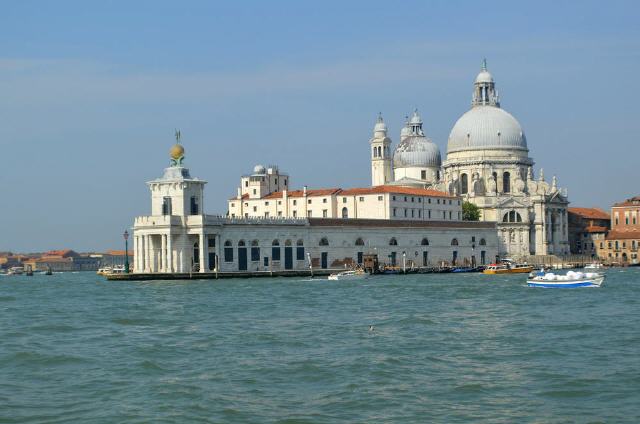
column 508, row 266
column 16, row 270
column 357, row 274
column 105, row 270
column 593, row 265
column 571, row 279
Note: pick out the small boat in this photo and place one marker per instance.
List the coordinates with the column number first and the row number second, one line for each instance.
column 593, row 265
column 507, row 266
column 357, row 274
column 570, row 280
column 48, row 271
column 105, row 270
column 15, row 270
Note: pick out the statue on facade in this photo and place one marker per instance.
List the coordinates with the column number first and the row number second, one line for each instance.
column 491, row 184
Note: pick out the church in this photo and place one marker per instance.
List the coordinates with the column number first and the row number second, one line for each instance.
column 487, row 163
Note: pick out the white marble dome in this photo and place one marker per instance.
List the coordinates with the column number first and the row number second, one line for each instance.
column 259, row 169
column 486, row 127
column 484, row 76
column 416, row 151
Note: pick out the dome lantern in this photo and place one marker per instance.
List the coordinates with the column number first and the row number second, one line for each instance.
column 485, row 92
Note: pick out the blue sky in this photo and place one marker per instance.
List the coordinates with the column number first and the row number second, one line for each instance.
column 90, row 94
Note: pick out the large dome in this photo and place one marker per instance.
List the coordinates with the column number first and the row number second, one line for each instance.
column 416, row 151
column 486, row 127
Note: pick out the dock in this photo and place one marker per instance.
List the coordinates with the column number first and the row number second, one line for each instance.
column 218, row 275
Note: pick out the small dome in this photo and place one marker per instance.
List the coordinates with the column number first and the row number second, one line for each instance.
column 176, row 152
column 415, row 118
column 485, row 127
column 484, row 77
column 259, row 169
column 417, row 151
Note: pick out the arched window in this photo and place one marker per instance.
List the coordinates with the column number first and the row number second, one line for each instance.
column 512, row 216
column 300, row 250
column 228, row 251
column 495, row 179
column 393, row 242
column 506, row 182
column 275, row 250
column 359, row 242
column 255, row 251
column 375, row 152
column 345, row 213
column 324, row 242
column 287, row 243
column 425, row 242
column 300, row 243
column 483, row 242
column 464, row 184
column 241, row 243
column 454, row 242
column 228, row 243
column 275, row 243
column 255, row 243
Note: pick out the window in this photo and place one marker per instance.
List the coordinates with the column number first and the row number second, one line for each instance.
column 419, row 199
column 394, row 211
column 309, row 201
column 266, row 203
column 279, row 213
column 512, row 216
column 361, row 199
column 295, row 214
column 324, row 200
column 405, row 198
column 344, row 200
column 419, row 213
column 285, row 181
column 424, row 242
column 359, row 242
column 405, row 212
column 412, row 213
column 450, row 215
column 228, row 251
column 423, row 174
column 345, row 213
column 483, row 242
column 279, row 202
column 211, row 242
column 309, row 214
column 233, row 205
column 266, row 214
column 323, row 242
column 429, row 213
column 464, row 184
column 275, row 250
column 394, row 197
column 246, row 183
column 276, row 181
column 429, row 201
column 255, row 251
column 295, row 202
column 413, row 199
column 255, row 209
column 506, row 182
column 300, row 250
column 438, row 201
column 359, row 258
column 254, row 191
column 393, row 242
column 166, row 206
column 379, row 198
column 324, row 213
column 454, row 242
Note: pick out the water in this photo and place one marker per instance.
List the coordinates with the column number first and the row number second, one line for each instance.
column 445, row 348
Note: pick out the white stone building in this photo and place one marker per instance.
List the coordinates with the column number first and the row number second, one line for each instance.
column 177, row 237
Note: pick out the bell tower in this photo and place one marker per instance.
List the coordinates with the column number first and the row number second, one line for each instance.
column 381, row 166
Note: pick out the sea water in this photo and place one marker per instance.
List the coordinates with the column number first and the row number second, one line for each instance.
column 451, row 348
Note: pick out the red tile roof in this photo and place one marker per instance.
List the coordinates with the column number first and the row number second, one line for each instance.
column 244, row 196
column 61, row 253
column 634, row 201
column 596, row 229
column 623, row 235
column 395, row 190
column 300, row 193
column 590, row 213
column 117, row 252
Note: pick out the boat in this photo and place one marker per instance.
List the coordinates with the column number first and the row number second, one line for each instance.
column 507, row 266
column 593, row 265
column 15, row 270
column 105, row 270
column 357, row 274
column 570, row 280
column 48, row 271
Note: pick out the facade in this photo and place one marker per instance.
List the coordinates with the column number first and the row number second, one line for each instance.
column 179, row 238
column 587, row 229
column 62, row 260
column 622, row 242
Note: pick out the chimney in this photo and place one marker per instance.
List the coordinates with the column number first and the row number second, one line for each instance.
column 304, row 190
column 239, row 193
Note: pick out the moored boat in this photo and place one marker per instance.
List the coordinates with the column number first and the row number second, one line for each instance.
column 507, row 266
column 570, row 280
column 593, row 265
column 357, row 274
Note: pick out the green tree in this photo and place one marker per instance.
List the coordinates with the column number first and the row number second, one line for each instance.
column 470, row 212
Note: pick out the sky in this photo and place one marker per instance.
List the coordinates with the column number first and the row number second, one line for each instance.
column 91, row 92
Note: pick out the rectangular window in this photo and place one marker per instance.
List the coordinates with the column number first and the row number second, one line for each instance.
column 450, row 215
column 254, row 191
column 344, row 200
column 266, row 261
column 405, row 198
column 429, row 213
column 266, row 214
column 279, row 213
column 380, row 198
column 266, row 203
column 246, row 183
column 405, row 213
column 438, row 201
column 255, row 209
column 228, row 254
column 419, row 213
column 212, row 242
column 361, row 199
column 295, row 214
column 429, row 201
column 423, row 175
column 413, row 199
column 324, row 200
column 412, row 213
column 166, row 206
column 309, row 201
column 255, row 254
column 309, row 213
column 275, row 253
column 295, row 202
column 419, row 199
column 324, row 213
column 300, row 253
column 279, row 202
column 394, row 211
column 359, row 260
column 276, row 181
column 394, row 197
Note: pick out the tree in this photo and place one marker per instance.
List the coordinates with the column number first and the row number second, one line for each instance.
column 470, row 212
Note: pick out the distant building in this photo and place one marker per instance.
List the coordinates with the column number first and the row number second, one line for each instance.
column 114, row 257
column 587, row 229
column 62, row 260
column 622, row 242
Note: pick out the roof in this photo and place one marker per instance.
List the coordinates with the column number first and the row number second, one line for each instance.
column 62, row 253
column 634, row 201
column 398, row 223
column 596, row 229
column 396, row 190
column 623, row 235
column 590, row 213
column 244, row 196
column 300, row 193
column 117, row 253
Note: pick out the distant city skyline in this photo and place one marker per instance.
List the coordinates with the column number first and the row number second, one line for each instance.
column 90, row 96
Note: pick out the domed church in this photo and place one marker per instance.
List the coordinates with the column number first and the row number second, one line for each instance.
column 487, row 164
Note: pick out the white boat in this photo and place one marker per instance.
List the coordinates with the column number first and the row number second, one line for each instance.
column 15, row 270
column 593, row 265
column 105, row 270
column 570, row 280
column 349, row 275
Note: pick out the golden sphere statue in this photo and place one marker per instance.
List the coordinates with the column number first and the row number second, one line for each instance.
column 176, row 152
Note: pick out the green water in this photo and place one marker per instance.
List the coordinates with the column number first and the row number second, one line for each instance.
column 445, row 348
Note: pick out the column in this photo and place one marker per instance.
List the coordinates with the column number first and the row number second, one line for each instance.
column 135, row 253
column 142, row 253
column 163, row 253
column 202, row 250
column 170, row 266
column 148, row 257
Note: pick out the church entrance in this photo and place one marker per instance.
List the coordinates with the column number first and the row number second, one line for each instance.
column 242, row 258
